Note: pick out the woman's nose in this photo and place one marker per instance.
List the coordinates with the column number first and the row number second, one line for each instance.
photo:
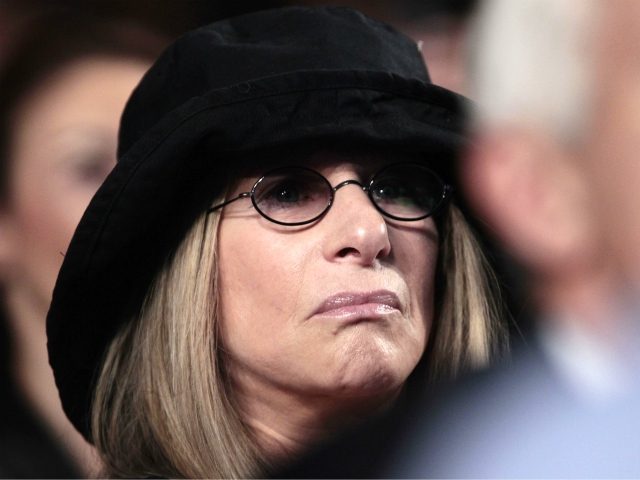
column 355, row 231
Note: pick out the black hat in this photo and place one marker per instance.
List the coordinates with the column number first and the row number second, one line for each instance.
column 262, row 80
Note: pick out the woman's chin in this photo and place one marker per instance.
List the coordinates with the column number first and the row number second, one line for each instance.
column 375, row 366
column 371, row 375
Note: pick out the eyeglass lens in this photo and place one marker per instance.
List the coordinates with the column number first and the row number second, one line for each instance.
column 297, row 195
column 292, row 195
column 407, row 191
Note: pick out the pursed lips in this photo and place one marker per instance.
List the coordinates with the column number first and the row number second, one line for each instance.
column 359, row 304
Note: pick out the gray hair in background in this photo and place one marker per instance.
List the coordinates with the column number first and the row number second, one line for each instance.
column 531, row 64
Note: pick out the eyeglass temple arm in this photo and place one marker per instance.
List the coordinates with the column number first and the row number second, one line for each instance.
column 224, row 204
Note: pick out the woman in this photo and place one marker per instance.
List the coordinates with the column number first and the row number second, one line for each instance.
column 63, row 88
column 274, row 254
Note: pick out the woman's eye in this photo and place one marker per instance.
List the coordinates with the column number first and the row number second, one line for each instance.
column 93, row 170
column 389, row 191
column 89, row 168
column 283, row 195
column 400, row 195
column 394, row 192
column 301, row 192
column 286, row 194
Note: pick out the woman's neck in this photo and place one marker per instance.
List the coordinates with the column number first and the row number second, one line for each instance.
column 286, row 423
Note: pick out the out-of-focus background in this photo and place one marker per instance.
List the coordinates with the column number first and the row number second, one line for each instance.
column 439, row 24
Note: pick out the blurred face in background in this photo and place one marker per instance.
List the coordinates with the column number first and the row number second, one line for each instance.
column 612, row 156
column 62, row 146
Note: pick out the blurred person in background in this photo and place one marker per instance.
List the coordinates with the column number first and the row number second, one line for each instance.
column 440, row 26
column 555, row 173
column 63, row 85
column 171, row 18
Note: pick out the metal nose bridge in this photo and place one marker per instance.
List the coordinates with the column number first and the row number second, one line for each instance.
column 362, row 187
column 350, row 182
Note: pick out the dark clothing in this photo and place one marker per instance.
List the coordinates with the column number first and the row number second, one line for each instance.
column 27, row 449
column 361, row 452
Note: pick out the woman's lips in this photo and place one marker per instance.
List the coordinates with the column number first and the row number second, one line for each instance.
column 355, row 305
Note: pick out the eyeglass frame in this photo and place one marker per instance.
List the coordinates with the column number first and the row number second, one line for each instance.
column 447, row 190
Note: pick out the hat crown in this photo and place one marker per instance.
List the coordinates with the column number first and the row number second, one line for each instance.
column 265, row 44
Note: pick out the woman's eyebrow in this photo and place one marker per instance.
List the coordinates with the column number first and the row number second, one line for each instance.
column 365, row 163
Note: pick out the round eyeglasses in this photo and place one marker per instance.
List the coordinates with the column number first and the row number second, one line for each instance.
column 299, row 195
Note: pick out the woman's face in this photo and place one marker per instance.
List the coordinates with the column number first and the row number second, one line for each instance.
column 62, row 146
column 341, row 308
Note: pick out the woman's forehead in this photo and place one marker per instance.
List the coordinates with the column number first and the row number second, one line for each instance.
column 362, row 161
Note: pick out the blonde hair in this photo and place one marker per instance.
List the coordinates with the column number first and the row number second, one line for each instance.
column 163, row 406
